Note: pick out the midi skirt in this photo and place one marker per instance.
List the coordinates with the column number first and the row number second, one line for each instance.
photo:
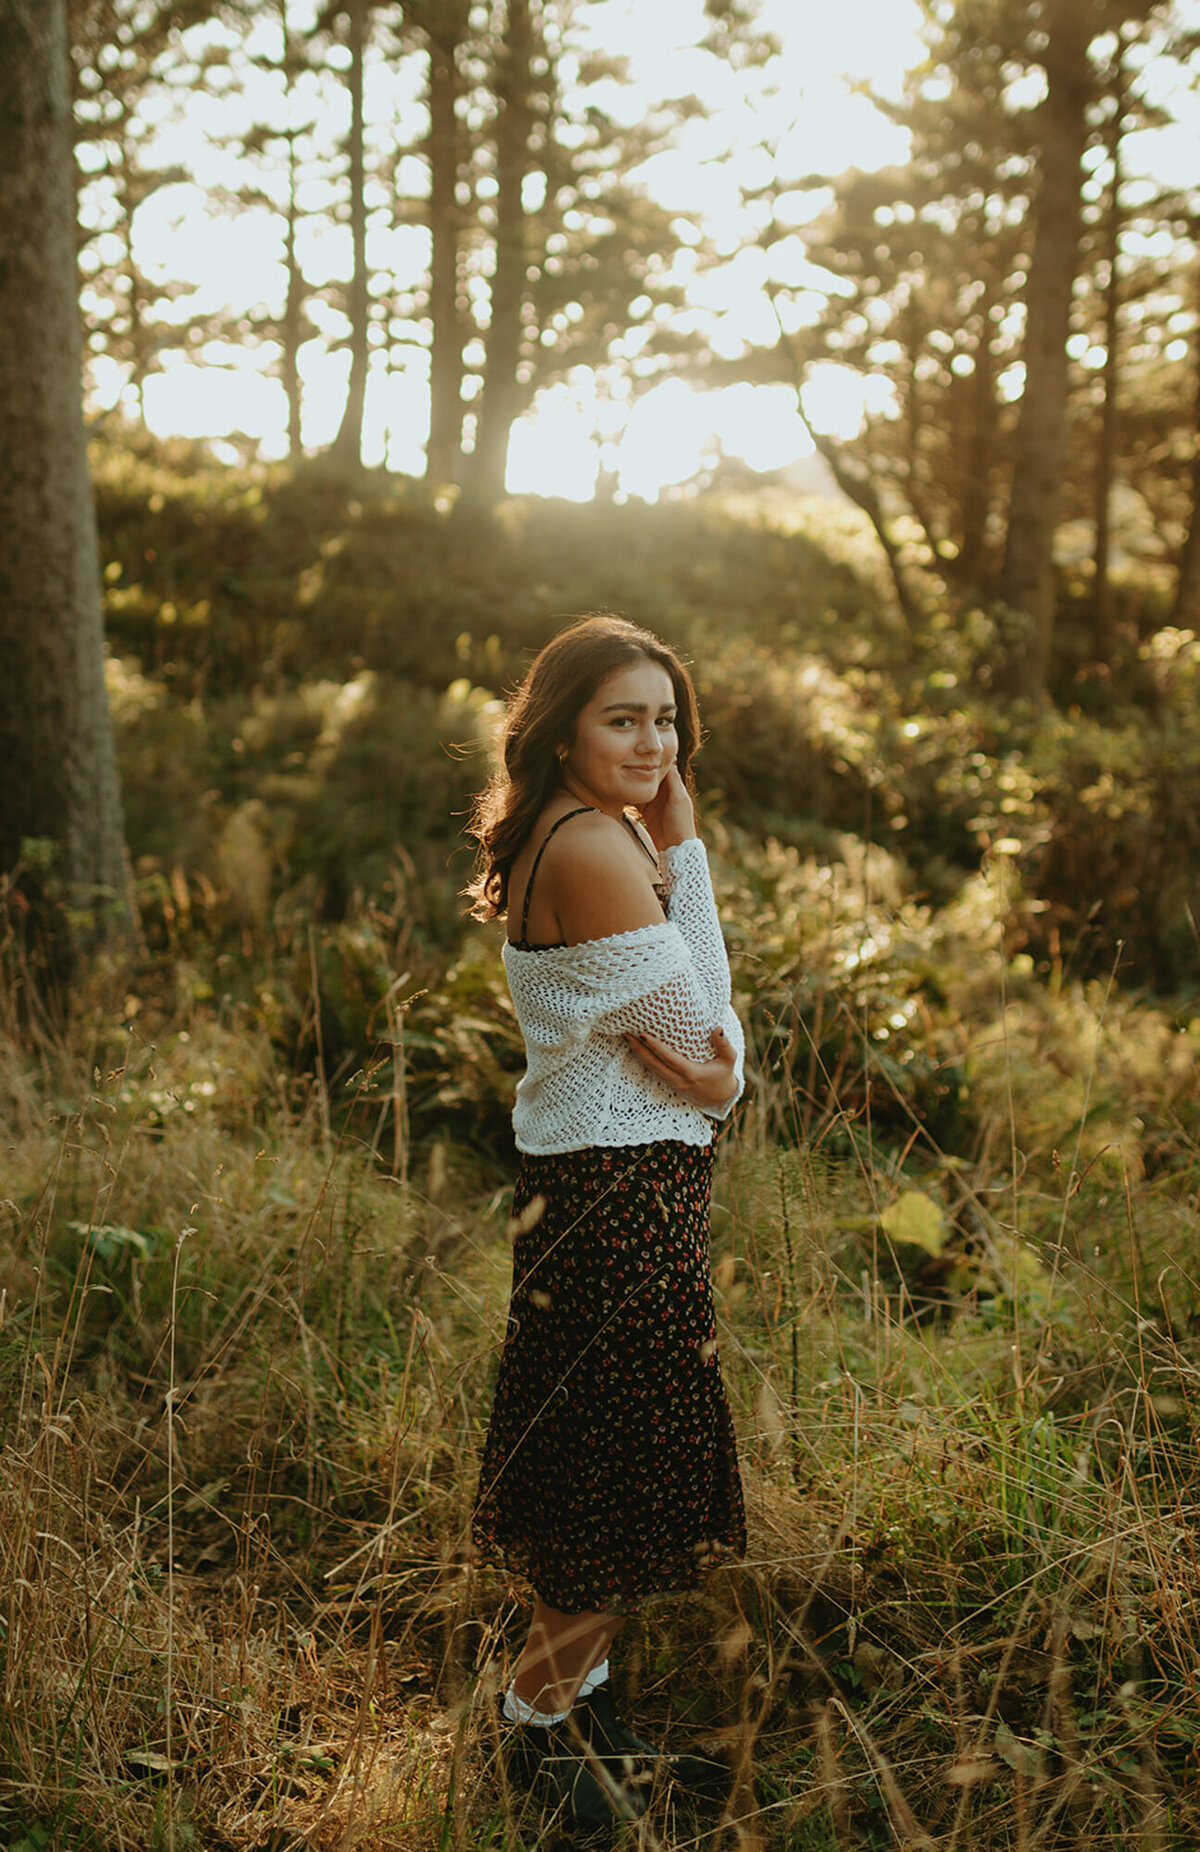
column 610, row 1468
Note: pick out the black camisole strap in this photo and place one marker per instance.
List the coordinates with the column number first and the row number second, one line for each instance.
column 523, row 941
column 565, row 818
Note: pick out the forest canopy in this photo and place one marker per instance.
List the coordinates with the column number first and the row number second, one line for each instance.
column 460, row 205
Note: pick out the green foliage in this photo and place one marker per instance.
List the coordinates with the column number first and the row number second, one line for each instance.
column 296, row 824
column 253, row 1201
column 1118, row 861
column 846, row 984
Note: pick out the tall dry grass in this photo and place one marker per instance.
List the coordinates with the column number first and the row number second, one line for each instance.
column 245, row 1350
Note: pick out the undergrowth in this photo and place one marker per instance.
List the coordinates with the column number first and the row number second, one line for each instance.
column 254, row 1180
column 244, row 1367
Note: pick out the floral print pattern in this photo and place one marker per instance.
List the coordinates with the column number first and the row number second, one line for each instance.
column 610, row 1468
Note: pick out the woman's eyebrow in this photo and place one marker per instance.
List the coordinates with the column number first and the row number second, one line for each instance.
column 636, row 707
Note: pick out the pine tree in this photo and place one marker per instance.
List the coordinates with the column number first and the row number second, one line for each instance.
column 346, row 449
column 925, row 258
column 520, row 93
column 1027, row 578
column 122, row 52
column 280, row 151
column 443, row 26
column 573, row 254
column 59, row 803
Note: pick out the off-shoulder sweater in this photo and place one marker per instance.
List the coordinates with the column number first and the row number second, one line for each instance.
column 576, row 1003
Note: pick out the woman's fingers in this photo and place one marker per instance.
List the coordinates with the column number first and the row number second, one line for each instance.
column 669, row 815
column 705, row 1083
column 656, row 1055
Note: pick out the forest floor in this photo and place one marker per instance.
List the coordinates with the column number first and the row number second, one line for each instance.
column 254, row 1184
column 245, row 1372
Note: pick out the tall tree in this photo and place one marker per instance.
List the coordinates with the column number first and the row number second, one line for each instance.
column 516, row 92
column 955, row 267
column 279, row 149
column 1186, row 610
column 925, row 255
column 121, row 54
column 444, row 23
column 571, row 264
column 1027, row 580
column 347, row 445
column 60, row 782
column 1106, row 447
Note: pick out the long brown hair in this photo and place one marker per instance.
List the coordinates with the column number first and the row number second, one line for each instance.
column 542, row 714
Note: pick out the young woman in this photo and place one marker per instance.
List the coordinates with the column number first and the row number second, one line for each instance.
column 609, row 1471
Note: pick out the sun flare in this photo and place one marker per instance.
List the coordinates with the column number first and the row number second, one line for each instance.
column 576, row 433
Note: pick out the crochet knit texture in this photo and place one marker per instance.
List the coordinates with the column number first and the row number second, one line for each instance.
column 575, row 1004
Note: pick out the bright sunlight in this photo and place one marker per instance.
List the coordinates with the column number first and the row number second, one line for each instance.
column 805, row 113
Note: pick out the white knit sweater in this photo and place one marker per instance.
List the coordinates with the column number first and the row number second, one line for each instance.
column 583, row 1086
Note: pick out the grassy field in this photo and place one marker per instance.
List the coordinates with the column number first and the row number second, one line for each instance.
column 254, row 1266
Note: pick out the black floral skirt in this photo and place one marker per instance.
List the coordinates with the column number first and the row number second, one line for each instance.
column 610, row 1470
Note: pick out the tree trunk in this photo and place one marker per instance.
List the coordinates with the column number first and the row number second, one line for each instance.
column 59, row 783
column 443, row 457
column 347, row 445
column 1186, row 611
column 1106, row 448
column 980, row 448
column 501, row 400
column 137, row 341
column 293, row 308
column 1027, row 583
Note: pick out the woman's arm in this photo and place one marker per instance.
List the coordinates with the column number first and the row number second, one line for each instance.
column 680, row 1027
column 713, row 1085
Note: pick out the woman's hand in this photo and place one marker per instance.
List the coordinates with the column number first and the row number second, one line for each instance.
column 707, row 1084
column 669, row 815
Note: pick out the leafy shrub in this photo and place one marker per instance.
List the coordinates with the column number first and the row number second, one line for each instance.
column 1120, row 849
column 845, row 983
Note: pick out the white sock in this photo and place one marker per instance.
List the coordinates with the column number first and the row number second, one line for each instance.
column 596, row 1677
column 518, row 1711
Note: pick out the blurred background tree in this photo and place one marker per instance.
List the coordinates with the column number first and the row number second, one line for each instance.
column 987, row 287
column 545, row 249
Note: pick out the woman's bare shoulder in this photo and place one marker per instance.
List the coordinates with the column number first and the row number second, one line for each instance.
column 601, row 881
column 593, row 842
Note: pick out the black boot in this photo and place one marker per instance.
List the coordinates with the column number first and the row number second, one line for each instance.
column 597, row 1721
column 591, row 1785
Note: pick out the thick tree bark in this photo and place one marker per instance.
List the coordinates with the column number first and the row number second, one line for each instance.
column 443, row 457
column 1106, row 448
column 59, row 780
column 1186, row 610
column 980, row 448
column 502, row 400
column 347, row 445
column 293, row 312
column 1027, row 581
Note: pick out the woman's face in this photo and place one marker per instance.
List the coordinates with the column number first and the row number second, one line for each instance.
column 625, row 739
